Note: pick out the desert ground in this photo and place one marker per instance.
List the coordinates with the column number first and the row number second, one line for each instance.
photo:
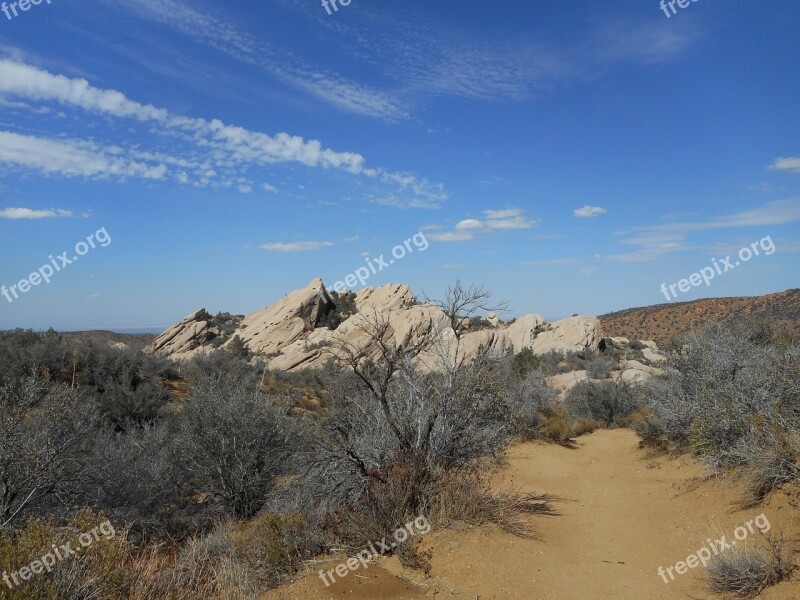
column 623, row 513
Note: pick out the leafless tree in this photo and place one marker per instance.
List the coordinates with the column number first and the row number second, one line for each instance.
column 461, row 303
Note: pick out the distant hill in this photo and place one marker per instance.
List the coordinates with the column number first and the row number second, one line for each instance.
column 137, row 341
column 662, row 321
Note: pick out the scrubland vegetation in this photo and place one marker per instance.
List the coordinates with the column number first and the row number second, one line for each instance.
column 222, row 478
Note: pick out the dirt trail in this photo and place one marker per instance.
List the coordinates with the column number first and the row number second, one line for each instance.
column 623, row 516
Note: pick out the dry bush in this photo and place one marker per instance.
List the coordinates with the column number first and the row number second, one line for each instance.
column 584, row 426
column 466, row 496
column 745, row 572
column 609, row 402
column 731, row 396
column 556, row 427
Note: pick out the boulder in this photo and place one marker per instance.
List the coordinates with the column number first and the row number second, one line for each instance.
column 524, row 330
column 563, row 382
column 493, row 319
column 572, row 334
column 653, row 356
column 635, row 372
column 496, row 342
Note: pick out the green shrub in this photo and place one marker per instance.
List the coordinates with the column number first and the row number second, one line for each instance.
column 609, row 402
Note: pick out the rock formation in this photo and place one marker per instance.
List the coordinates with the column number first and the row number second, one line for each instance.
column 288, row 335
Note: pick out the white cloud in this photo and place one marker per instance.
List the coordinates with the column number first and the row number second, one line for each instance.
column 354, row 238
column 72, row 158
column 406, row 204
column 18, row 79
column 496, row 220
column 469, row 224
column 269, row 188
column 228, row 147
column 587, row 211
column 453, row 236
column 295, row 246
column 245, row 189
column 28, row 213
column 791, row 163
column 508, row 219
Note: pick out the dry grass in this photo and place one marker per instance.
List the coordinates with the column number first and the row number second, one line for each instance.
column 468, row 497
column 744, row 572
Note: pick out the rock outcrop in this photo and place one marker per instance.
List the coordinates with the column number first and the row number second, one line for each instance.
column 294, row 316
column 184, row 339
column 288, row 336
column 571, row 334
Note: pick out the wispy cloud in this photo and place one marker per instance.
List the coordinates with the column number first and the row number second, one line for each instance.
column 28, row 213
column 790, row 163
column 494, row 220
column 453, row 266
column 588, row 212
column 656, row 241
column 420, row 58
column 295, row 246
column 212, row 152
column 72, row 158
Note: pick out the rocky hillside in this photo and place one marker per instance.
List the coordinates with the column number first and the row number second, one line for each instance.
column 292, row 334
column 662, row 321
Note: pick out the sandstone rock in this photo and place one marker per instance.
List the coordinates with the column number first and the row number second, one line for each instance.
column 496, row 342
column 573, row 333
column 653, row 356
column 635, row 372
column 524, row 330
column 272, row 328
column 493, row 319
column 386, row 297
column 184, row 339
column 563, row 382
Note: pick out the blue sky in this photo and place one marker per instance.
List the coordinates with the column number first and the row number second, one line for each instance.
column 570, row 156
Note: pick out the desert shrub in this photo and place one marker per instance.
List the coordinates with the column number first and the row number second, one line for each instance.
column 732, row 400
column 369, row 473
column 237, row 348
column 745, row 572
column 218, row 365
column 531, row 401
column 609, row 402
column 524, row 362
column 136, row 480
column 599, row 367
column 44, row 441
column 344, row 308
column 556, row 426
column 234, row 442
column 273, row 546
column 551, row 362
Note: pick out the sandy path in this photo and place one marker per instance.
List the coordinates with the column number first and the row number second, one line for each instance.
column 624, row 515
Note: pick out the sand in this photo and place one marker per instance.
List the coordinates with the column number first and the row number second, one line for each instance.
column 623, row 515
